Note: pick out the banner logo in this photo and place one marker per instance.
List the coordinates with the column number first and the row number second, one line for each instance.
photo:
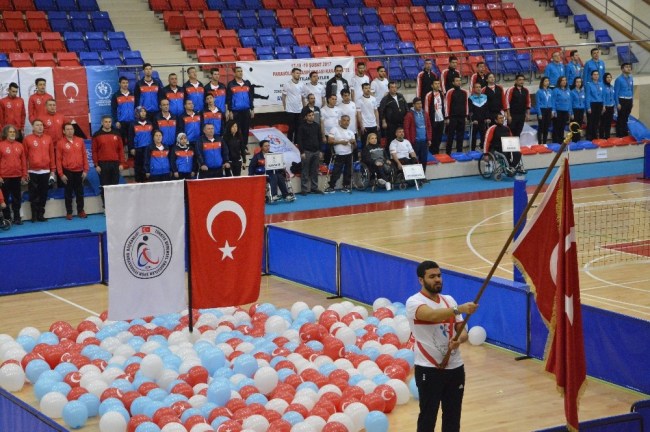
column 147, row 252
column 103, row 90
column 226, row 206
column 73, row 86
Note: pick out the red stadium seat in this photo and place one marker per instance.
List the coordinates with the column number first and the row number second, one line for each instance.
column 37, row 21
column 52, row 42
column 287, row 21
column 44, row 59
column 288, row 4
column 387, row 15
column 419, row 15
column 212, row 20
column 271, row 4
column 320, row 18
column 340, row 39
column 534, row 40
column 28, row 42
column 14, row 21
column 440, row 34
column 319, row 51
column 355, row 50
column 190, row 40
column 304, row 4
column 198, row 5
column 206, row 56
column 229, row 39
column 2, row 26
column 24, row 5
column 193, row 20
column 423, row 46
column 174, row 21
column 408, row 35
column 338, row 51
column 303, row 18
column 245, row 54
column 159, row 5
column 210, row 39
column 20, row 59
column 67, row 59
column 179, row 5
column 8, row 42
column 6, row 5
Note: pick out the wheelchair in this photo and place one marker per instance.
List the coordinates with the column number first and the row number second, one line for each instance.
column 363, row 178
column 282, row 176
column 494, row 164
column 5, row 224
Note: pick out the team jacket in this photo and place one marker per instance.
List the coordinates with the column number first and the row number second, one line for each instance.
column 591, row 66
column 493, row 137
column 517, row 100
column 561, row 100
column 477, row 78
column 214, row 118
column 140, row 135
column 196, row 94
column 257, row 164
column 53, row 126
column 430, row 105
column 554, row 71
column 156, row 161
column 12, row 112
column 456, row 103
column 36, row 106
column 447, row 79
column 424, row 81
column 123, row 107
column 182, row 159
column 239, row 97
column 40, row 152
column 410, row 131
column 219, row 93
column 608, row 95
column 168, row 128
column 13, row 161
column 146, row 94
column 71, row 156
column 191, row 125
column 176, row 98
column 543, row 99
column 623, row 88
column 593, row 93
column 578, row 99
column 573, row 71
column 212, row 153
column 478, row 107
column 107, row 147
column 391, row 110
column 496, row 98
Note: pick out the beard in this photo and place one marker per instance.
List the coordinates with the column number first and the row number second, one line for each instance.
column 433, row 288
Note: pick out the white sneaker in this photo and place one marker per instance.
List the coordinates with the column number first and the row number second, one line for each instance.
column 389, row 186
column 381, row 182
column 276, row 198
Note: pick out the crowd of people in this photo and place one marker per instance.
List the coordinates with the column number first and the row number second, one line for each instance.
column 197, row 130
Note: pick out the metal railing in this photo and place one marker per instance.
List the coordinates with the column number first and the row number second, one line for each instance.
column 623, row 16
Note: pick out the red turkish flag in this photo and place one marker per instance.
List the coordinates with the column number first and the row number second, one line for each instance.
column 566, row 353
column 71, row 94
column 226, row 234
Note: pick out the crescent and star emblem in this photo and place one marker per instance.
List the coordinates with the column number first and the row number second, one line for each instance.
column 216, row 210
column 72, row 85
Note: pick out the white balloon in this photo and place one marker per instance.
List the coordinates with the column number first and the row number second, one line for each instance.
column 89, row 369
column 278, row 405
column 124, row 336
column 12, row 377
column 292, row 334
column 344, row 364
column 343, row 419
column 361, row 311
column 266, row 379
column 113, row 421
column 166, row 377
column 14, row 353
column 30, row 331
column 348, row 305
column 110, row 374
column 225, row 349
column 90, row 377
column 197, row 401
column 256, row 422
column 401, row 390
column 149, row 347
column 85, row 335
column 380, row 302
column 318, row 423
column 357, row 412
column 276, row 324
column 318, row 310
column 477, row 335
column 96, row 387
column 245, row 347
column 302, row 427
column 329, row 388
column 151, row 366
column 338, row 308
column 367, row 386
column 346, row 335
column 201, row 427
column 321, row 360
column 298, row 307
column 124, row 350
column 52, row 404
column 172, row 427
column 110, row 344
column 305, row 401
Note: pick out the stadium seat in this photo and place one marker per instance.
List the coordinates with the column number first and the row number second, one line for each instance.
column 625, row 55
column 210, row 39
column 480, row 12
column 75, row 41
column 4, row 60
column 90, row 59
column 604, row 40
column 249, row 19
column 265, row 53
column 320, row 18
column 20, row 60
column 179, row 5
column 212, row 20
column 24, row 5
column 46, row 5
column 530, row 27
column 355, row 50
column 562, row 10
column 193, row 20
column 231, row 19
column 229, row 38
column 286, row 18
column 301, row 52
column 245, row 54
column 319, row 51
column 198, row 5
column 267, row 18
column 96, row 41
column 174, row 21
column 80, row 21
column 112, row 58
column 67, row 5
column 44, row 60
column 159, row 6
column 52, row 42
column 216, row 5
column 206, row 55
column 59, row 21
column 132, row 57
column 28, row 42
column 582, row 25
column 510, row 11
column 14, row 21
column 283, row 53
column 117, row 41
column 37, row 21
column 190, row 40
column 88, row 5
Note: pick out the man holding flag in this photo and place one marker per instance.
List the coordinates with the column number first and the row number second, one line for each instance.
column 546, row 253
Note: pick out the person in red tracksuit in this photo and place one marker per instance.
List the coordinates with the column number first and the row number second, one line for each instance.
column 108, row 153
column 38, row 101
column 53, row 121
column 72, row 167
column 12, row 110
column 13, row 171
column 41, row 168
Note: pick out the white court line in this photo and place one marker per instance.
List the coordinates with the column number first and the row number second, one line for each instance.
column 70, row 303
column 608, row 302
column 468, row 240
column 609, row 285
column 606, row 282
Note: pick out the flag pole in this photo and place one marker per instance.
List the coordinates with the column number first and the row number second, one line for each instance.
column 189, row 258
column 573, row 127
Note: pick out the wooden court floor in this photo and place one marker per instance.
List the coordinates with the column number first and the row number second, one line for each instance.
column 501, row 394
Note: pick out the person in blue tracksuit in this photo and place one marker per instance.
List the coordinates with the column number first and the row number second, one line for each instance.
column 190, row 123
column 175, row 94
column 594, row 103
column 623, row 95
column 555, row 69
column 562, row 110
column 594, row 64
column 609, row 107
column 123, row 109
column 213, row 153
column 166, row 123
column 139, row 140
column 194, row 90
column 156, row 160
column 578, row 104
column 146, row 92
column 212, row 114
column 182, row 158
column 574, row 67
column 543, row 100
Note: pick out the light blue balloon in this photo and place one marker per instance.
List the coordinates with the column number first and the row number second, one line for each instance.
column 405, row 354
column 107, row 404
column 292, row 417
column 223, row 372
column 135, row 342
column 256, row 398
column 173, row 398
column 65, row 368
column 380, row 379
column 189, row 413
column 157, row 394
column 245, row 364
column 266, row 308
column 27, row 342
column 218, row 422
column 92, row 403
column 219, row 391
column 244, row 382
column 43, row 387
column 35, row 368
column 371, row 352
column 284, row 373
column 138, row 405
column 372, row 320
column 353, row 349
column 360, row 332
column 275, row 360
column 48, row 338
column 291, row 346
column 384, row 330
column 376, row 421
column 327, row 368
column 123, row 385
column 207, row 408
column 414, row 389
column 307, row 385
column 223, row 337
column 61, row 387
column 315, row 345
column 212, row 359
column 75, row 414
column 90, row 350
column 355, row 379
column 51, row 376
column 152, row 407
column 307, row 315
column 147, row 427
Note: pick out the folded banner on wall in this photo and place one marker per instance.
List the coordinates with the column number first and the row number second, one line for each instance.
column 102, row 83
column 27, row 82
column 71, row 92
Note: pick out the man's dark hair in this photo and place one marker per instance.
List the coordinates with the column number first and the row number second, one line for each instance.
column 13, row 85
column 626, row 64
column 39, row 80
column 424, row 266
column 345, row 91
column 123, row 78
column 572, row 53
column 593, row 50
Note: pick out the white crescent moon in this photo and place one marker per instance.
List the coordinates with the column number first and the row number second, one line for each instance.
column 68, row 85
column 226, row 206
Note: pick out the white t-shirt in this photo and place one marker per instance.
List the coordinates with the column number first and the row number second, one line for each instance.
column 355, row 85
column 402, row 148
column 293, row 92
column 338, row 133
column 317, row 90
column 367, row 107
column 379, row 88
column 433, row 337
column 350, row 109
column 329, row 117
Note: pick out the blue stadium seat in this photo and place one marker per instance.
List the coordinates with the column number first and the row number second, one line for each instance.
column 525, row 61
column 132, row 57
column 46, row 5
column 248, row 41
column 96, row 41
column 301, row 52
column 436, row 17
column 268, row 41
column 88, row 5
column 265, row 32
column 604, row 39
column 485, row 32
column 406, row 47
column 90, row 59
column 389, row 48
column 247, row 32
column 112, row 58
column 286, row 39
column 338, row 3
column 67, row 5
column 249, row 19
column 470, row 32
column 396, row 73
column 356, row 38
column 338, row 18
column 253, row 4
column 451, row 16
column 59, row 21
column 487, row 43
column 4, row 60
column 582, row 25
column 75, row 42
column 370, row 16
column 322, row 4
column 466, row 14
column 118, row 42
column 267, row 18
column 471, row 44
column 81, row 22
column 231, row 19
column 265, row 53
column 625, row 55
column 562, row 10
column 234, row 5
column 216, row 4
column 283, row 53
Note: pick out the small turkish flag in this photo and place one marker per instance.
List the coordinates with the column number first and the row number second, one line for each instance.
column 226, row 234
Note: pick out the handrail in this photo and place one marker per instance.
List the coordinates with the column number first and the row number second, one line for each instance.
column 632, row 18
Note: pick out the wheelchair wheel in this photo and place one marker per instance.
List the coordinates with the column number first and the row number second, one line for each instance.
column 486, row 165
column 5, row 224
column 360, row 176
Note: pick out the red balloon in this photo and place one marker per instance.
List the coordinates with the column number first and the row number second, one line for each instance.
column 395, row 371
column 103, row 316
column 180, row 406
column 320, row 412
column 146, row 387
column 293, row 380
column 280, row 341
column 280, row 352
column 403, row 364
column 136, row 421
column 339, row 373
column 309, row 332
column 333, row 348
column 257, row 408
column 374, row 402
column 388, row 395
column 271, row 416
column 29, row 357
column 91, row 341
column 242, row 413
column 263, row 355
column 220, row 411
column 128, row 398
column 330, row 404
column 340, row 383
column 229, row 426
column 383, row 360
column 111, row 392
column 335, row 427
column 349, row 317
column 163, row 412
column 196, row 375
column 233, row 342
column 58, row 326
column 101, row 364
column 76, row 392
column 165, row 420
column 299, row 408
column 278, row 426
column 235, row 404
column 86, row 325
column 193, row 421
column 247, row 390
column 183, row 389
column 390, row 339
column 382, row 313
column 79, row 360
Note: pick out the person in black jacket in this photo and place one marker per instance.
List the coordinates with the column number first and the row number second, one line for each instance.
column 457, row 111
column 336, row 84
column 308, row 141
column 373, row 156
column 392, row 110
column 275, row 178
column 236, row 149
column 493, row 143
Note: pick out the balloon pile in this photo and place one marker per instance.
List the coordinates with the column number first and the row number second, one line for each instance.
column 340, row 369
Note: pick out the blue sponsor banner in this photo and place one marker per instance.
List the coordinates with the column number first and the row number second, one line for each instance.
column 102, row 83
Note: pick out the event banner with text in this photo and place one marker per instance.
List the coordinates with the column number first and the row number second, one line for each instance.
column 271, row 75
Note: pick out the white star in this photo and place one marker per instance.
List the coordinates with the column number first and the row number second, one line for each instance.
column 71, row 100
column 568, row 307
column 227, row 251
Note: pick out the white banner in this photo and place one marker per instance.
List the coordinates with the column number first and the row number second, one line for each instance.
column 27, row 77
column 271, row 75
column 279, row 144
column 7, row 76
column 145, row 229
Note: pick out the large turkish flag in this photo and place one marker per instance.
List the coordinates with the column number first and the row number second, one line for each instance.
column 226, row 234
column 71, row 94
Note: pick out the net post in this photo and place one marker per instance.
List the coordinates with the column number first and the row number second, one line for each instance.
column 519, row 203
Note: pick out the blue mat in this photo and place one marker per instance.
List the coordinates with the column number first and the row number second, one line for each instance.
column 97, row 223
